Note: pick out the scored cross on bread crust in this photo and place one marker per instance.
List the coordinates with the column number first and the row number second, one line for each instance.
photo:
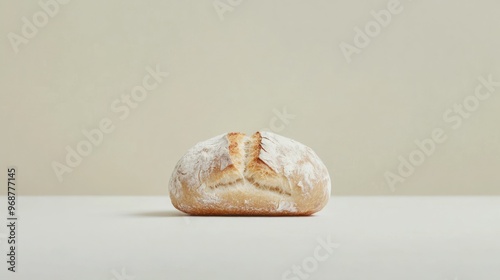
column 259, row 173
column 246, row 165
column 264, row 174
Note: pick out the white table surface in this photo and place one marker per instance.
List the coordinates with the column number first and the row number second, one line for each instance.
column 141, row 238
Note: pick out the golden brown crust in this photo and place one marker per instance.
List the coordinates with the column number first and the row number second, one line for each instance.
column 236, row 175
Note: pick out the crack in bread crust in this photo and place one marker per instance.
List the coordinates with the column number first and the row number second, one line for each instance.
column 269, row 188
column 253, row 169
column 221, row 185
column 255, row 184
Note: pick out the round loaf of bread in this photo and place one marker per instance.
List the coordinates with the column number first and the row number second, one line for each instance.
column 262, row 174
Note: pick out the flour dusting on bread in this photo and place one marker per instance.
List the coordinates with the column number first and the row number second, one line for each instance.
column 262, row 174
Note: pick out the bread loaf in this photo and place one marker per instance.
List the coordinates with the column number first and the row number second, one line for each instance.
column 262, row 174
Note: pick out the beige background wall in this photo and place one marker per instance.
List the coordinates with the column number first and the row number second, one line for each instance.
column 237, row 70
